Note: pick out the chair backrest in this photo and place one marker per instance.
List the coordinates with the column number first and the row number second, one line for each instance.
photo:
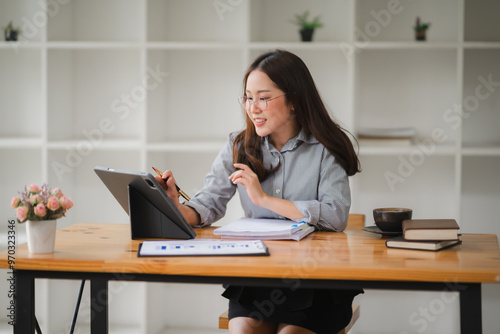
column 355, row 221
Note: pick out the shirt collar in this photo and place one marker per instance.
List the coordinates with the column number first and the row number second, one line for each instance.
column 301, row 137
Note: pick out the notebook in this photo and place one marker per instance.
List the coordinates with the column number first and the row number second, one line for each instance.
column 265, row 229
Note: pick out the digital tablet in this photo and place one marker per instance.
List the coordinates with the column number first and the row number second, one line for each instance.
column 152, row 213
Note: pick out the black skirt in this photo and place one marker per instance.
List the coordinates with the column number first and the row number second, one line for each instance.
column 318, row 310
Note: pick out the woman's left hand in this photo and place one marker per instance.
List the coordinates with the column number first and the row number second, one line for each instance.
column 247, row 178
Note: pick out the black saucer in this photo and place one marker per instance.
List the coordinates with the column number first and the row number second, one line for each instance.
column 375, row 229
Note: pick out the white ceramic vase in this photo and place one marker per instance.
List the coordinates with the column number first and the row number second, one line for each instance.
column 41, row 236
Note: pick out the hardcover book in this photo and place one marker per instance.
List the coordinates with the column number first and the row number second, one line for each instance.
column 400, row 242
column 430, row 229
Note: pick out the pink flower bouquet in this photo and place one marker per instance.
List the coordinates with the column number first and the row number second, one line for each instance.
column 40, row 203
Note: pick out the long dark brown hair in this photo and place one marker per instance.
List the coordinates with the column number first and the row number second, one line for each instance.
column 291, row 75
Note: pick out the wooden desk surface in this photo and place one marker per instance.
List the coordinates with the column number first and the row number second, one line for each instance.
column 350, row 255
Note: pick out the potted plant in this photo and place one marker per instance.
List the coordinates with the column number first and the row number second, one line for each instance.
column 306, row 25
column 421, row 30
column 41, row 207
column 10, row 32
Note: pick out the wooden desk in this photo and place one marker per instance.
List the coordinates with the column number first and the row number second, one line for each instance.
column 352, row 259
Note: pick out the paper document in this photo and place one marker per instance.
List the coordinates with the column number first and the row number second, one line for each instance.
column 202, row 247
column 268, row 229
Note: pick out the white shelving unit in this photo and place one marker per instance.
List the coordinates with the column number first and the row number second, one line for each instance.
column 130, row 84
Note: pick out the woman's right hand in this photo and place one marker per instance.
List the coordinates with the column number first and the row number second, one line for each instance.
column 167, row 182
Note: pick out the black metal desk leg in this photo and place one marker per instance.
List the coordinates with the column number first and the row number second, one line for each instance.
column 99, row 306
column 470, row 310
column 25, row 303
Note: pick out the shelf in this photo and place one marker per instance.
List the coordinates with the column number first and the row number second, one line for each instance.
column 481, row 97
column 434, row 151
column 481, row 151
column 319, row 46
column 21, row 142
column 480, row 196
column 194, row 46
column 26, row 14
column 91, row 45
column 384, row 100
column 79, row 68
column 20, row 45
column 397, row 181
column 482, row 45
column 131, row 84
column 380, row 20
column 21, row 74
column 376, row 45
column 19, row 169
column 197, row 146
column 275, row 18
column 194, row 21
column 481, row 21
column 95, row 143
column 116, row 20
column 185, row 95
column 95, row 91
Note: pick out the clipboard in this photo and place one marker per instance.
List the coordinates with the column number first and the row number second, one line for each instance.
column 202, row 247
column 152, row 213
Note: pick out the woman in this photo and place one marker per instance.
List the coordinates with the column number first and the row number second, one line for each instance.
column 292, row 161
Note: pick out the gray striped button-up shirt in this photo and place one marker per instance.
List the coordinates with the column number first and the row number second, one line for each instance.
column 308, row 175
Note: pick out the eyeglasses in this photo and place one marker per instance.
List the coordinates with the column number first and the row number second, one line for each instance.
column 258, row 101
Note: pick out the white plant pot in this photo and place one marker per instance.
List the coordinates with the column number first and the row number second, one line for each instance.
column 41, row 236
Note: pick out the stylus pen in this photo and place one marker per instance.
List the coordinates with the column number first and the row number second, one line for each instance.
column 179, row 190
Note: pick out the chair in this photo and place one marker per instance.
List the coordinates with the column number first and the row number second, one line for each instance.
column 355, row 222
column 224, row 321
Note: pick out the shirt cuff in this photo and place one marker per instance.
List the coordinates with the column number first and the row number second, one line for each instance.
column 305, row 209
column 323, row 216
column 205, row 214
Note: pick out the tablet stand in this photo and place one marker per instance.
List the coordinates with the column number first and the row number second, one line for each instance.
column 147, row 221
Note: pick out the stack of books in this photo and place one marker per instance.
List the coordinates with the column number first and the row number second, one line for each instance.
column 264, row 229
column 427, row 234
